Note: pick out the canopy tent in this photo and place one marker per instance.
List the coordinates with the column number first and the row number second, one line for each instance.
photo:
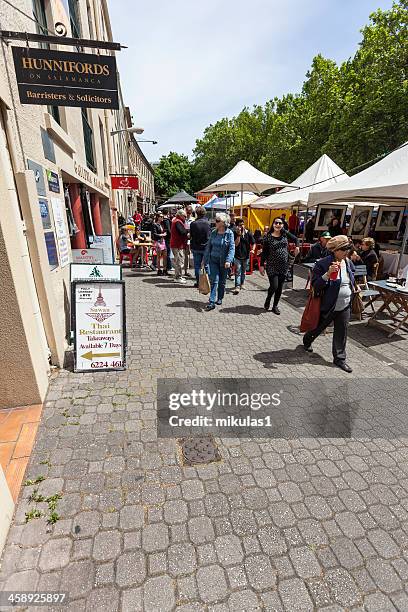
column 244, row 176
column 216, row 203
column 323, row 172
column 182, row 197
column 385, row 182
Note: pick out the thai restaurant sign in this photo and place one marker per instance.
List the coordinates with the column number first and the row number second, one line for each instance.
column 124, row 182
column 64, row 78
column 99, row 325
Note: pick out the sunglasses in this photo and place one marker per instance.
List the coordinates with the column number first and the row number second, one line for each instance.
column 218, row 220
column 278, row 223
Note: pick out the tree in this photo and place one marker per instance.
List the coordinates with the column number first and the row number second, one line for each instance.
column 353, row 112
column 172, row 174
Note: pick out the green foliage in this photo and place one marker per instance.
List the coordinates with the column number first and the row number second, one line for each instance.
column 34, row 513
column 29, row 483
column 353, row 112
column 172, row 174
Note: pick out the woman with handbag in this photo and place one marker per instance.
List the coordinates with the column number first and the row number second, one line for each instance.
column 219, row 255
column 333, row 284
column 275, row 255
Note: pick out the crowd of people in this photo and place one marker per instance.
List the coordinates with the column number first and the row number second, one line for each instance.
column 224, row 252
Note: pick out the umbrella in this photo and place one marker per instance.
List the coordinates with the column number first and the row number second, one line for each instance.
column 182, row 197
column 244, row 176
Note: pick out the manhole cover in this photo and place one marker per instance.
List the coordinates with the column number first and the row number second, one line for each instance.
column 199, row 450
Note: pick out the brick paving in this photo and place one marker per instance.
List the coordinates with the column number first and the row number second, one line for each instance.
column 295, row 525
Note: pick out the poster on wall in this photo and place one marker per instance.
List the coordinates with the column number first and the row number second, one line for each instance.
column 58, row 210
column 53, row 181
column 96, row 272
column 106, row 244
column 51, row 249
column 64, row 248
column 38, row 176
column 327, row 212
column 87, row 256
column 99, row 325
column 45, row 213
column 360, row 221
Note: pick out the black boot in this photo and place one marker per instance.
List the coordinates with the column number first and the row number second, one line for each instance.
column 267, row 303
column 275, row 309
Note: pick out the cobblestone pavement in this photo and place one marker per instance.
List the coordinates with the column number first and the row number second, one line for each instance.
column 294, row 525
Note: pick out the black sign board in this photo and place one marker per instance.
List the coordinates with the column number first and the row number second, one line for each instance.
column 60, row 78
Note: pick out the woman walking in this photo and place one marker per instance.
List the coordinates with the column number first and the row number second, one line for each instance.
column 159, row 235
column 333, row 280
column 219, row 254
column 276, row 256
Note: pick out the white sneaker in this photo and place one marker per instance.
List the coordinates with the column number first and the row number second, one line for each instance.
column 182, row 281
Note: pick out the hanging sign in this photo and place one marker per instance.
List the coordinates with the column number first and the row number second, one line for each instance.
column 99, row 325
column 96, row 272
column 62, row 78
column 124, row 182
column 105, row 243
column 88, row 256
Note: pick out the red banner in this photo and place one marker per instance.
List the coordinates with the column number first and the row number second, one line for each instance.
column 125, row 182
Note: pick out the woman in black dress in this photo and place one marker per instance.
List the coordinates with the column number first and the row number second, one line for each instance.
column 276, row 256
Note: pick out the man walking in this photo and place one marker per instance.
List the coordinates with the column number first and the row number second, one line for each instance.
column 200, row 231
column 178, row 243
column 187, row 223
column 167, row 227
column 244, row 241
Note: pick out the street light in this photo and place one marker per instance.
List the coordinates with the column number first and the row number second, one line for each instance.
column 152, row 141
column 130, row 130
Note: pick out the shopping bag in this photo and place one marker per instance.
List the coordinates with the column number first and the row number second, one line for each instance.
column 204, row 283
column 311, row 313
column 357, row 306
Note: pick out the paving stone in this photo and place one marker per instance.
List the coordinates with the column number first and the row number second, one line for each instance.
column 261, row 575
column 342, row 587
column 304, row 562
column 155, row 538
column 175, row 512
column 105, row 574
column 192, row 489
column 107, row 545
column 211, row 582
column 229, row 550
column 272, row 541
column 77, row 579
column 131, row 569
column 131, row 517
column 383, row 543
column 132, row 600
column 181, row 559
column 105, row 599
column 55, row 554
column 159, row 594
column 86, row 524
column 384, row 575
column 294, row 596
column 243, row 600
column 347, row 553
column 200, row 530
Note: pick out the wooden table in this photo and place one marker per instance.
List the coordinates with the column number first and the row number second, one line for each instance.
column 395, row 304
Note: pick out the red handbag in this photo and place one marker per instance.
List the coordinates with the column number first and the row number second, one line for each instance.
column 311, row 314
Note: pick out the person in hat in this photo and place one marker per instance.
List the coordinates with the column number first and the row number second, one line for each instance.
column 333, row 280
column 318, row 249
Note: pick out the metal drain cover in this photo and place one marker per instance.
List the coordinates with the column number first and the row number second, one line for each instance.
column 199, row 450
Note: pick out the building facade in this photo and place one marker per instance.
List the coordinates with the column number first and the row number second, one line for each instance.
column 55, row 167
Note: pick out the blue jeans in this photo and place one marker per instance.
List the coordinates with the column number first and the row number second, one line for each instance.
column 169, row 264
column 198, row 260
column 218, row 277
column 240, row 270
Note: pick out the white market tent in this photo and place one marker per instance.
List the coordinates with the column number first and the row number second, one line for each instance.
column 242, row 177
column 323, row 172
column 386, row 182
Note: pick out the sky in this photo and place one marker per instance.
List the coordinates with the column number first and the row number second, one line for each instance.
column 189, row 62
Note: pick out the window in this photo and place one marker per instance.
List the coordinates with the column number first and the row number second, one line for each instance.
column 74, row 18
column 41, row 18
column 88, row 141
column 102, row 135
